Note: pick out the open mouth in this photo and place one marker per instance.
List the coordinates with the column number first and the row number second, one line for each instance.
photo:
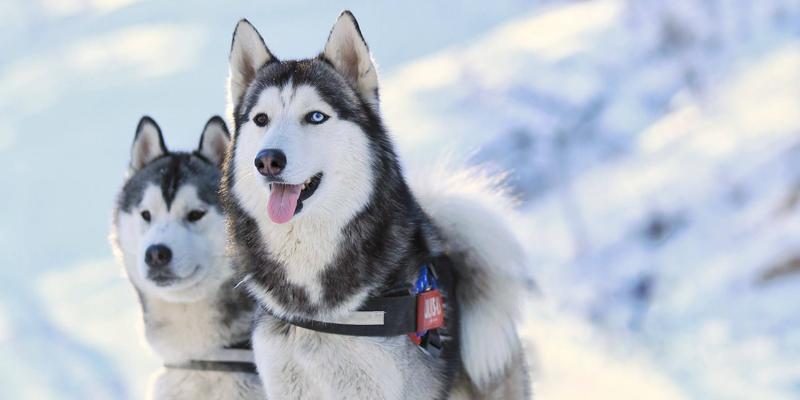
column 286, row 200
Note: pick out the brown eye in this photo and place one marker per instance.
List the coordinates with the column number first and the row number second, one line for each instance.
column 261, row 119
column 146, row 215
column 195, row 215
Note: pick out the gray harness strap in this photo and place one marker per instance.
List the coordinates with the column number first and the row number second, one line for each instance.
column 224, row 360
column 215, row 366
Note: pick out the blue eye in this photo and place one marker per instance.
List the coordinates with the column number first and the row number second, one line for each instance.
column 316, row 117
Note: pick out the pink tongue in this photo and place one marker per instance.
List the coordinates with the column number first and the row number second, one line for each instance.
column 282, row 202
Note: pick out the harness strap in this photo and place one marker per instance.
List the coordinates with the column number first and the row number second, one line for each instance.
column 243, row 345
column 235, row 358
column 379, row 316
column 393, row 315
column 215, row 366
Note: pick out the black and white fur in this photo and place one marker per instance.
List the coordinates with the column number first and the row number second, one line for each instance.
column 190, row 307
column 359, row 231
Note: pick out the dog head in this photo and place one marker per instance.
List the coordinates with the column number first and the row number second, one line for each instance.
column 306, row 131
column 168, row 227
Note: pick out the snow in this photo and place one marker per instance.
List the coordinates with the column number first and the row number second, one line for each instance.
column 572, row 362
column 719, row 173
column 98, row 305
column 655, row 155
column 653, row 147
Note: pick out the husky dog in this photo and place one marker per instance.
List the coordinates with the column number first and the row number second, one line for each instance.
column 168, row 231
column 323, row 225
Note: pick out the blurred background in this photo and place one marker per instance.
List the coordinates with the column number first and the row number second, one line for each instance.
column 654, row 145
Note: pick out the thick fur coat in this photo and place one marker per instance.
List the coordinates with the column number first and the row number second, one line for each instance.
column 321, row 218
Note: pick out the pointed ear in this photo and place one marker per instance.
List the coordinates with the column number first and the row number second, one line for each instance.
column 214, row 140
column 348, row 52
column 248, row 54
column 148, row 144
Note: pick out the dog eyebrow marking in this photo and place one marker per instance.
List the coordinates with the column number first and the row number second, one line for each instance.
column 172, row 178
column 169, row 173
column 287, row 94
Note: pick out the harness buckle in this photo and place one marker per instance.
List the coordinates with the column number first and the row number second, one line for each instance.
column 432, row 344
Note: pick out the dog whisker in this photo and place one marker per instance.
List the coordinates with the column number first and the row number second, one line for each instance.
column 245, row 279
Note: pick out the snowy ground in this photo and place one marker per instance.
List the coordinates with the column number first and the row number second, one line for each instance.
column 659, row 180
column 654, row 147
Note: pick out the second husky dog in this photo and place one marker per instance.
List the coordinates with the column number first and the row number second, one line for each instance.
column 367, row 291
column 168, row 231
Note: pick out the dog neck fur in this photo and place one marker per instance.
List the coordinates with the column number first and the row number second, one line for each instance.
column 179, row 332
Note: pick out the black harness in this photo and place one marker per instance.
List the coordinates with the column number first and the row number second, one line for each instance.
column 234, row 358
column 394, row 313
column 399, row 312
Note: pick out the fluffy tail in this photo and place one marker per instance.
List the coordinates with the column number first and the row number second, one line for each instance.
column 472, row 211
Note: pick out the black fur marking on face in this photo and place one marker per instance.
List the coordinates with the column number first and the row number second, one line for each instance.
column 170, row 173
column 171, row 179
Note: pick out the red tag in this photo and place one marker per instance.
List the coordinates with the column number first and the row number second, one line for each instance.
column 430, row 310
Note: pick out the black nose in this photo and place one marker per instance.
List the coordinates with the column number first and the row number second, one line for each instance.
column 270, row 162
column 157, row 256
